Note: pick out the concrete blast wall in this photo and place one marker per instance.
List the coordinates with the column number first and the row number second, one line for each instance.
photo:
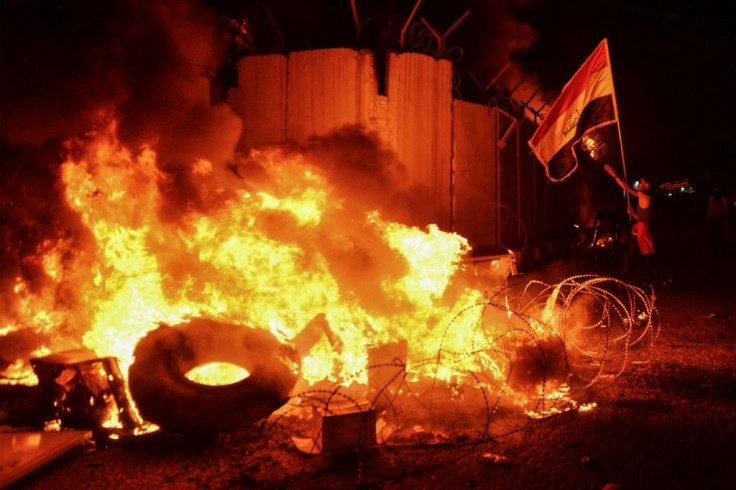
column 327, row 89
column 489, row 195
column 420, row 121
column 475, row 172
column 261, row 100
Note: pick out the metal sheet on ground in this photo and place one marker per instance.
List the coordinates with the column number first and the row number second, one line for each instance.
column 22, row 452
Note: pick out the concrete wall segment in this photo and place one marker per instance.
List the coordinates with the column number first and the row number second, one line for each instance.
column 323, row 91
column 260, row 100
column 474, row 173
column 463, row 179
column 420, row 113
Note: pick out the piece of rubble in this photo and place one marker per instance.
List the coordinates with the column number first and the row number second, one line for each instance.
column 339, row 429
column 80, row 390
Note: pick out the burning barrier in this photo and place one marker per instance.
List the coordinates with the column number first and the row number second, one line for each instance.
column 319, row 253
column 83, row 391
column 168, row 398
column 558, row 340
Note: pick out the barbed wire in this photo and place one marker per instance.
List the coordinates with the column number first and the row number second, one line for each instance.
column 557, row 338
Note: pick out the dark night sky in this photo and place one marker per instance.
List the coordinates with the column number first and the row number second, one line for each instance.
column 673, row 73
column 672, row 61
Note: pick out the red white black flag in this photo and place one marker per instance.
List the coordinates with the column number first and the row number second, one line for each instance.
column 583, row 121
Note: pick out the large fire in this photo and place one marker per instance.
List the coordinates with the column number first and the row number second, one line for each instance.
column 273, row 257
column 275, row 245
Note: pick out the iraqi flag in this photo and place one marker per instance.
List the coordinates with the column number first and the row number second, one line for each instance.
column 582, row 124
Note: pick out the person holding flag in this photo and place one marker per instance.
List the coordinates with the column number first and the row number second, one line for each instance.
column 643, row 239
column 582, row 126
column 641, row 231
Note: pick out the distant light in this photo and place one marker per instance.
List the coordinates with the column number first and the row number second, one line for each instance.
column 669, row 194
column 636, row 184
column 682, row 189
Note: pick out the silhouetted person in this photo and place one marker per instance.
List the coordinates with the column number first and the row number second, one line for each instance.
column 607, row 232
column 234, row 40
column 642, row 236
column 717, row 221
column 607, row 224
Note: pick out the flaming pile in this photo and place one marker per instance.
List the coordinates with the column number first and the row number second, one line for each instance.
column 273, row 250
column 286, row 240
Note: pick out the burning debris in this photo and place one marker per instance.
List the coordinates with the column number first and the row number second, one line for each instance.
column 534, row 357
column 392, row 313
column 344, row 427
column 165, row 395
column 168, row 253
column 83, row 391
column 77, row 390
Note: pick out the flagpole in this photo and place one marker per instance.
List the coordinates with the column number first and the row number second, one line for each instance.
column 618, row 122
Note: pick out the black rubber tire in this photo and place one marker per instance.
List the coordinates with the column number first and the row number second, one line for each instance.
column 166, row 397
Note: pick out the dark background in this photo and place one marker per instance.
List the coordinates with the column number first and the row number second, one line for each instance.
column 672, row 61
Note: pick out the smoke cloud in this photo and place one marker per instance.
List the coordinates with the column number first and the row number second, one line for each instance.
column 65, row 62
column 68, row 67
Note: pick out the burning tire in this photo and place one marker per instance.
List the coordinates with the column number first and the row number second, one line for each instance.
column 165, row 396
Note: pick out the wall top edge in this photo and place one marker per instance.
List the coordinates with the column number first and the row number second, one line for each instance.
column 311, row 51
column 361, row 51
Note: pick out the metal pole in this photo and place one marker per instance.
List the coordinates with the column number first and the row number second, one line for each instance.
column 497, row 190
column 498, row 75
column 357, row 21
column 437, row 36
column 275, row 25
column 408, row 21
column 502, row 142
column 457, row 23
column 618, row 124
column 553, row 96
column 511, row 92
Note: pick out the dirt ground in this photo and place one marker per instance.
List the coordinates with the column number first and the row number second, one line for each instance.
column 666, row 423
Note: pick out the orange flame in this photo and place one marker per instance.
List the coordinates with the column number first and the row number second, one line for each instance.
column 273, row 254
